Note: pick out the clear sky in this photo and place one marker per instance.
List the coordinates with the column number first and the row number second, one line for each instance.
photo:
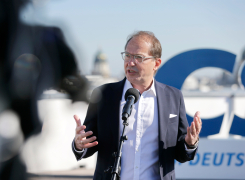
column 180, row 25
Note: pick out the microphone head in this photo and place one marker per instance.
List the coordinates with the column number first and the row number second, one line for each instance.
column 134, row 92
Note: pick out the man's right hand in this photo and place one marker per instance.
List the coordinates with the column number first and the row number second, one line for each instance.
column 81, row 140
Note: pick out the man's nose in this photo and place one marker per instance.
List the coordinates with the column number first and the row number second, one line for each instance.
column 131, row 61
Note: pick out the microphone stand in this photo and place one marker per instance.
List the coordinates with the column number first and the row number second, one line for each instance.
column 115, row 170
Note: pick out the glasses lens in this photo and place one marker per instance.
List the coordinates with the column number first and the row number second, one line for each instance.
column 138, row 58
column 126, row 56
column 122, row 55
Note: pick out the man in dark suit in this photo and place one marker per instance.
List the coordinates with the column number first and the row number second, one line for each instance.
column 158, row 131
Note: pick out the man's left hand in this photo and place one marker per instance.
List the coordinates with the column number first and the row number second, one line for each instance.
column 194, row 130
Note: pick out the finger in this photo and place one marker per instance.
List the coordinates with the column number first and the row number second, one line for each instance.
column 89, row 145
column 197, row 125
column 193, row 129
column 198, row 114
column 80, row 129
column 77, row 119
column 188, row 131
column 188, row 135
column 85, row 135
column 81, row 136
column 86, row 141
column 200, row 121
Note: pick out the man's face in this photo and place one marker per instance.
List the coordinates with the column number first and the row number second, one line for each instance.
column 139, row 73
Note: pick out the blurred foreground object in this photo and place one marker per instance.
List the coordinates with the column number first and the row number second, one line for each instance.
column 32, row 59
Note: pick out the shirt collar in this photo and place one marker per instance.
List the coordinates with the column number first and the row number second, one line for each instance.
column 152, row 88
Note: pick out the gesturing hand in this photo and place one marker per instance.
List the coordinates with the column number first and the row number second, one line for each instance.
column 81, row 140
column 194, row 130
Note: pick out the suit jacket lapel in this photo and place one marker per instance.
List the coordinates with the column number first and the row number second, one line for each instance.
column 115, row 99
column 163, row 109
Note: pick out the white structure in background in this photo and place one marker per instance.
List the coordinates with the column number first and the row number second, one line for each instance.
column 101, row 66
column 100, row 73
column 51, row 150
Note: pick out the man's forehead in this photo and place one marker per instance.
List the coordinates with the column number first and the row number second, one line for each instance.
column 138, row 46
column 141, row 39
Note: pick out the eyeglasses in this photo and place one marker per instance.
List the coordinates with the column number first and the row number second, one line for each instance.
column 137, row 58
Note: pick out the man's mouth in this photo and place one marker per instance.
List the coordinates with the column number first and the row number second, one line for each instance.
column 131, row 71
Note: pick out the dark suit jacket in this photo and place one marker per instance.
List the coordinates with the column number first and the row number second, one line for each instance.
column 103, row 119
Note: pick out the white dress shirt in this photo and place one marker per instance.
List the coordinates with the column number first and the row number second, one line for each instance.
column 140, row 152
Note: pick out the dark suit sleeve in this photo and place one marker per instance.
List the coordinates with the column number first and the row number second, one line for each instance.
column 180, row 152
column 91, row 122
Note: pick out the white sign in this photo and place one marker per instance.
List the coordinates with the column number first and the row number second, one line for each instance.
column 215, row 159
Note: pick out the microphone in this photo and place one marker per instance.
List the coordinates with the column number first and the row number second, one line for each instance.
column 131, row 97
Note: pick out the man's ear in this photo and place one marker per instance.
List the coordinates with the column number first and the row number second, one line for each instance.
column 158, row 62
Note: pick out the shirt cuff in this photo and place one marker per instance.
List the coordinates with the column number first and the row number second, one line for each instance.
column 189, row 151
column 82, row 152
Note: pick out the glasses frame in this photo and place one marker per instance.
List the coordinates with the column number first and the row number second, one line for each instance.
column 143, row 57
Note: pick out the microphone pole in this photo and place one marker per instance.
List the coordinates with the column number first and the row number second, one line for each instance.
column 131, row 96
